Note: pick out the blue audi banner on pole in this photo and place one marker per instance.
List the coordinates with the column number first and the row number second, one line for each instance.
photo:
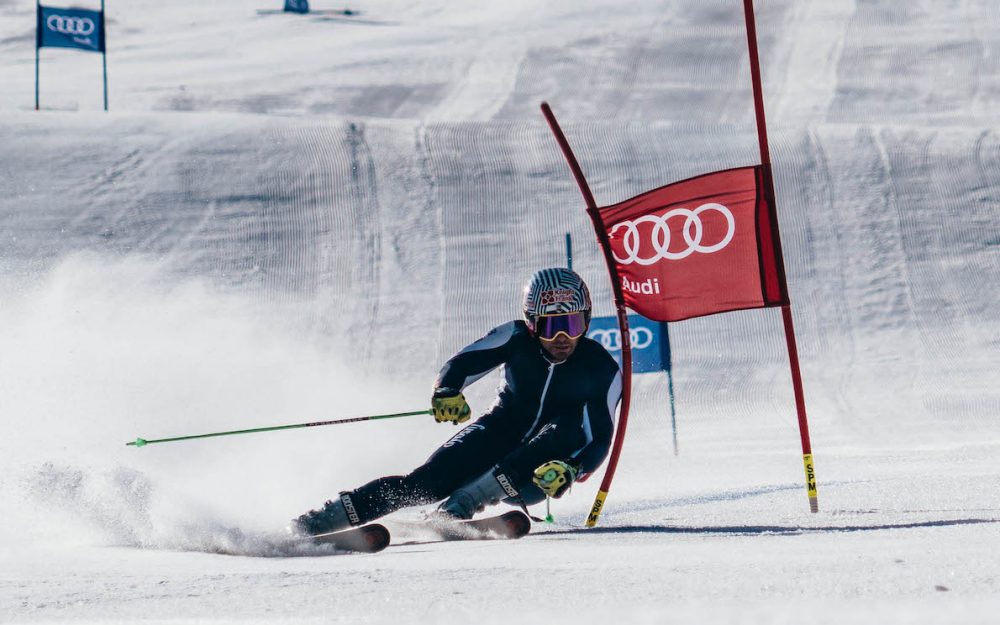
column 70, row 28
column 650, row 345
column 80, row 29
column 297, row 6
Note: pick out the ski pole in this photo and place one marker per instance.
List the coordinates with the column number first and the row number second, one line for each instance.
column 139, row 442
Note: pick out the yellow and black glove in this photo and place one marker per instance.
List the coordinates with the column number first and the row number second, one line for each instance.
column 450, row 406
column 555, row 478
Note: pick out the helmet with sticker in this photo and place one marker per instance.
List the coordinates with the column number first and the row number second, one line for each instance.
column 555, row 291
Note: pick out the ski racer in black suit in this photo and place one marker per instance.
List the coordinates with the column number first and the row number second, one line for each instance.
column 551, row 424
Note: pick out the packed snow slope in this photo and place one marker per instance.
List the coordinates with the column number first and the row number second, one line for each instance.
column 290, row 218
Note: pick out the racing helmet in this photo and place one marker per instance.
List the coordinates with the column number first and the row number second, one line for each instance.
column 558, row 295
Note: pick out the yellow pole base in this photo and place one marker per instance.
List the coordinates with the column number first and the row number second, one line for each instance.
column 807, row 461
column 595, row 510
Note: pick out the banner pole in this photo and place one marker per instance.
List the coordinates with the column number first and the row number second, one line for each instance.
column 668, row 360
column 602, row 236
column 673, row 410
column 569, row 252
column 786, row 310
column 104, row 55
column 38, row 44
column 800, row 408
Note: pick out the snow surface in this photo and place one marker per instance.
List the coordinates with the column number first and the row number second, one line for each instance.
column 293, row 218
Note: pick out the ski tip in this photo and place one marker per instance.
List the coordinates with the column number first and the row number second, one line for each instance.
column 366, row 539
column 377, row 537
column 519, row 523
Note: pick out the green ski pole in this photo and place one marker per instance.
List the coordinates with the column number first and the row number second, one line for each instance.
column 140, row 442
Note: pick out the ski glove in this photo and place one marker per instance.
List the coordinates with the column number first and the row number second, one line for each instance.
column 449, row 405
column 555, row 477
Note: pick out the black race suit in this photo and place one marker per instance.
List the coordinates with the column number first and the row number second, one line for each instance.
column 545, row 411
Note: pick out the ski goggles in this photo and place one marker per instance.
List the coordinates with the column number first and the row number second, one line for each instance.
column 573, row 325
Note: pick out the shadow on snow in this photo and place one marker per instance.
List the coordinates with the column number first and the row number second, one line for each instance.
column 763, row 529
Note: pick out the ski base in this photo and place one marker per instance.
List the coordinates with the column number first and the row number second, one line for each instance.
column 370, row 538
column 510, row 525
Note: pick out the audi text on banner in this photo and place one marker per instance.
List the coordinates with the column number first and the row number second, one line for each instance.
column 698, row 247
column 70, row 28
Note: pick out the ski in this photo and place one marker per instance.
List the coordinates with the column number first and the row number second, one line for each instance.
column 370, row 538
column 510, row 525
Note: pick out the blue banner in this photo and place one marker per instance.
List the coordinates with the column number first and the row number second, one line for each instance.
column 650, row 341
column 70, row 28
column 297, row 6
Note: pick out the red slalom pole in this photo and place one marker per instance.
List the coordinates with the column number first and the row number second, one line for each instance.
column 786, row 310
column 602, row 236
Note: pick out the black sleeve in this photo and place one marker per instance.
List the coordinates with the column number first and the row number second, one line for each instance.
column 599, row 422
column 580, row 438
column 477, row 359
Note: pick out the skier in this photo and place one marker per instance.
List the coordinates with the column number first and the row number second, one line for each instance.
column 551, row 424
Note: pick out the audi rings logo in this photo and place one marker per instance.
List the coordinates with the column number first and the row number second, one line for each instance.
column 692, row 230
column 611, row 338
column 75, row 26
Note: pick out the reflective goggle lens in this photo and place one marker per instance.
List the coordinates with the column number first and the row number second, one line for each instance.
column 573, row 325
